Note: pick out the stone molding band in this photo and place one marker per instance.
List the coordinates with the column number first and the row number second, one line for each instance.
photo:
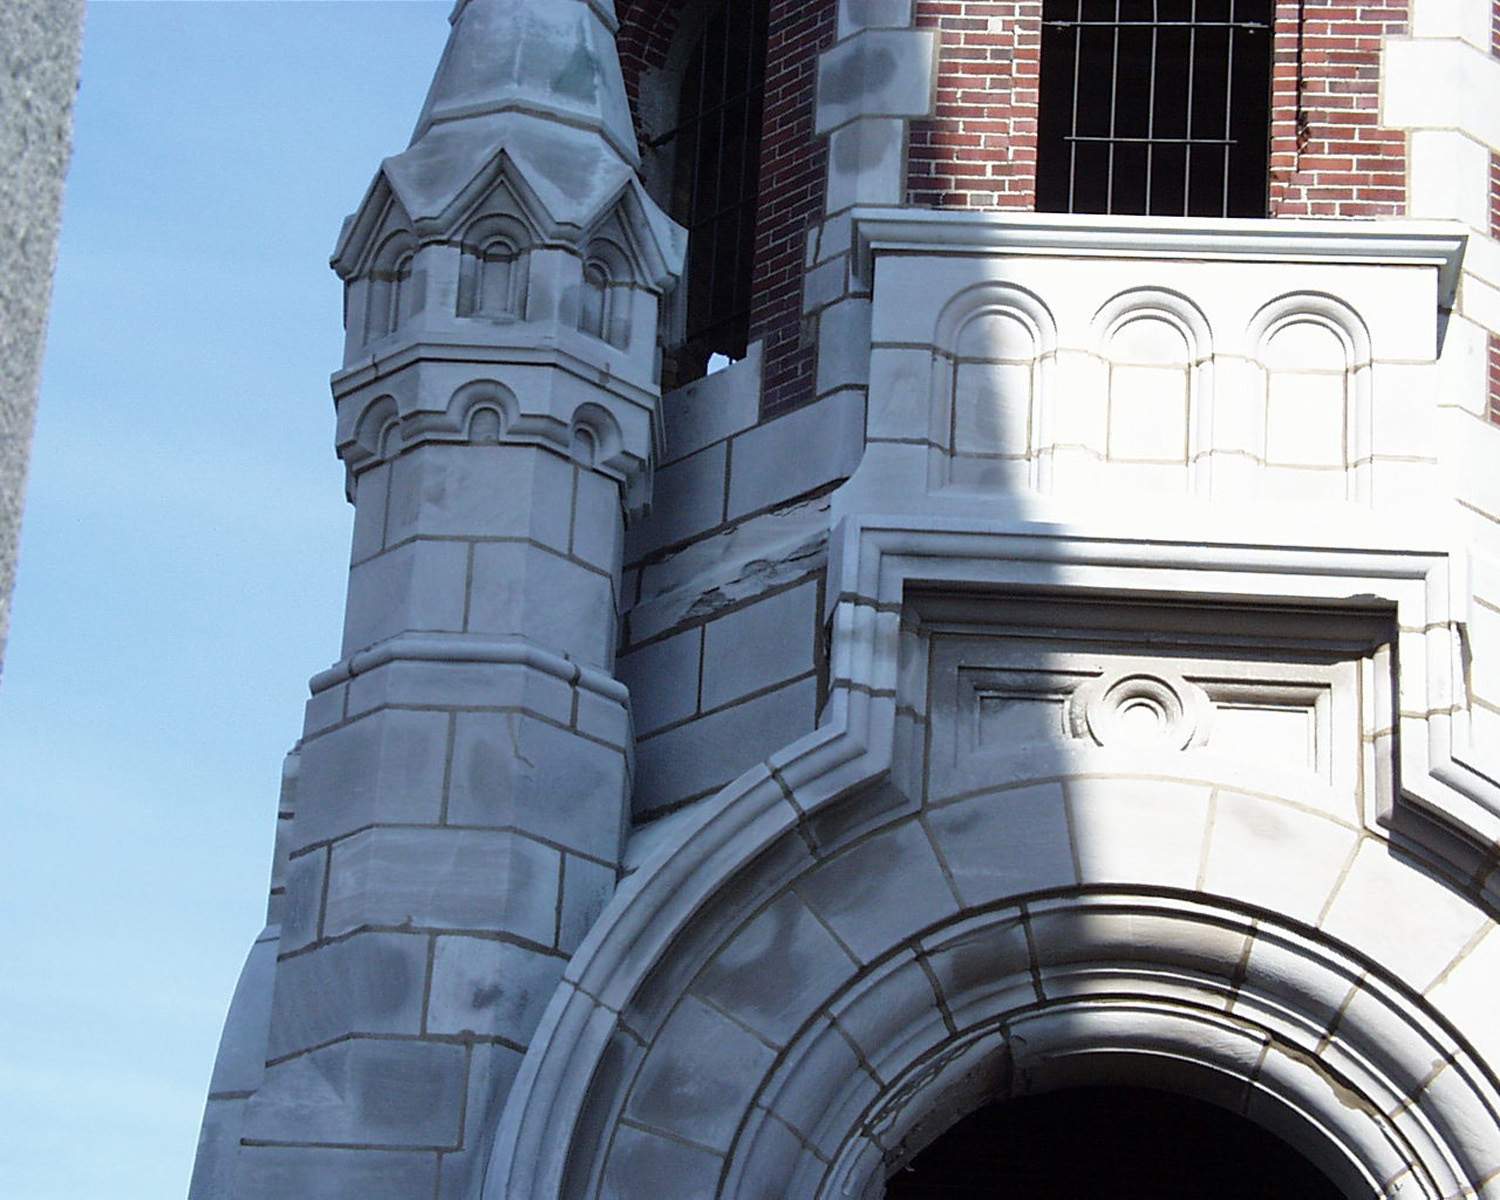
column 470, row 648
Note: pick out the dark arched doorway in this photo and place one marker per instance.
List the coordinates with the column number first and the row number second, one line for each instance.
column 1125, row 1143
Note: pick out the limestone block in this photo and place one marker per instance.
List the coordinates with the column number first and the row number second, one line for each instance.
column 318, row 1173
column 1067, row 935
column 758, row 646
column 604, row 718
column 866, row 163
column 372, row 487
column 713, row 408
column 304, row 900
column 646, row 1164
column 241, row 1060
column 825, row 284
column 371, row 983
column 900, row 393
column 461, row 490
column 1449, row 174
column 1440, row 84
column 687, row 498
column 663, row 680
column 521, row 590
column 873, row 14
column 699, row 1076
column 1305, row 419
column 487, row 988
column 1148, row 413
column 772, row 1152
column 586, row 888
column 1036, row 852
column 492, row 1070
column 1282, row 858
column 598, row 530
column 515, row 772
column 980, row 961
column 705, row 754
column 992, row 408
column 876, row 73
column 894, row 1016
column 445, row 879
column 852, row 892
column 364, row 1092
column 1467, row 993
column 826, row 1064
column 1410, row 924
column 217, row 1160
column 385, row 767
column 413, row 683
column 796, row 453
column 1138, row 831
column 843, row 346
column 419, row 585
column 1451, row 19
column 776, row 971
column 324, row 709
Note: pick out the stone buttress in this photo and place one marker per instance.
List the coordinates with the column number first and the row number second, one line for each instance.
column 454, row 816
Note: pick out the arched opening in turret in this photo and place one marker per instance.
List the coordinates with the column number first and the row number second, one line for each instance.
column 1131, row 1143
column 701, row 115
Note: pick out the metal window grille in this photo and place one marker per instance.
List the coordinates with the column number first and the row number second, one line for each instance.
column 716, row 179
column 1155, row 106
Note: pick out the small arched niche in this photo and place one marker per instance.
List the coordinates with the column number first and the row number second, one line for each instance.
column 1314, row 355
column 995, row 344
column 391, row 296
column 492, row 273
column 1156, row 347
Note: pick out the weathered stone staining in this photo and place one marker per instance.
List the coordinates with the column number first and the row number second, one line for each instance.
column 1094, row 681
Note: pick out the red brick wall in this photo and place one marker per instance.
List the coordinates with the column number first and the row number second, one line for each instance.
column 980, row 149
column 1494, row 377
column 1494, row 342
column 793, row 184
column 1328, row 155
column 792, row 171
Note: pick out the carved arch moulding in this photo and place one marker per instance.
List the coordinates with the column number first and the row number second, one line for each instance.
column 1108, row 896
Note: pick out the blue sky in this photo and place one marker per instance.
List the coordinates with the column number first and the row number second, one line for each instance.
column 183, row 554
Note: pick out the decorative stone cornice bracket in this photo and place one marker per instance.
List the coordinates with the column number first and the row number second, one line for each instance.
column 881, row 231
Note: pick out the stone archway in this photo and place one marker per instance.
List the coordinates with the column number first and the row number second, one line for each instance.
column 806, row 1037
column 1108, row 1141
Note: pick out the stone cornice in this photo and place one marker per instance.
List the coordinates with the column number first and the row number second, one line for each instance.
column 1436, row 244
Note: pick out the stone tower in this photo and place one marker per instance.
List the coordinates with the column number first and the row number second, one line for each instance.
column 453, row 819
column 1059, row 649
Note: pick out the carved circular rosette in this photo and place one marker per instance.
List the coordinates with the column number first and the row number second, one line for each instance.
column 1141, row 710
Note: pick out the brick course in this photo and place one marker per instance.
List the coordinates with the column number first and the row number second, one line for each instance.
column 1329, row 157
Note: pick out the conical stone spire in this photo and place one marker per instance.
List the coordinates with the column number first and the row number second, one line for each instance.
column 554, row 62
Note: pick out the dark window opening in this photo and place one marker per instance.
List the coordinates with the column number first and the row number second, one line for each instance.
column 1155, row 107
column 1122, row 1142
column 716, row 148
